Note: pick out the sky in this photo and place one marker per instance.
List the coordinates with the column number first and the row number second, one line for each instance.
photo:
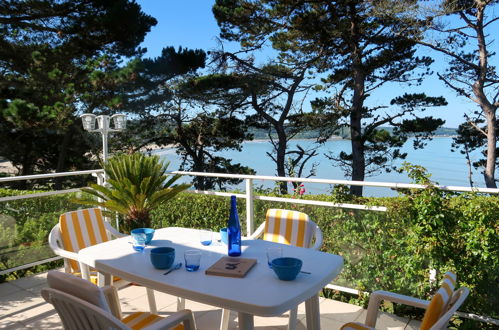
column 191, row 24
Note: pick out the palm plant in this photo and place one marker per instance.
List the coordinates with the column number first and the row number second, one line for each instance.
column 136, row 184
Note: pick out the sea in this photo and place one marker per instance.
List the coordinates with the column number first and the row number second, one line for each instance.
column 446, row 167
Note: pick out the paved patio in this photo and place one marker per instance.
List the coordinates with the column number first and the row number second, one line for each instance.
column 22, row 307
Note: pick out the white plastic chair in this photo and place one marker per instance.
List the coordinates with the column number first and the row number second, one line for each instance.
column 83, row 305
column 290, row 228
column 438, row 311
column 79, row 229
column 303, row 231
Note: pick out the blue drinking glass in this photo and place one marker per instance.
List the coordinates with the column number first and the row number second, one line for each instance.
column 205, row 237
column 192, row 260
column 139, row 242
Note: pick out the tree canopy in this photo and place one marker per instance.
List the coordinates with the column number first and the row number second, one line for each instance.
column 60, row 58
column 462, row 32
column 356, row 48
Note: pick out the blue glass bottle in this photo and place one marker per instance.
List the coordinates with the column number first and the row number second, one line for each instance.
column 234, row 230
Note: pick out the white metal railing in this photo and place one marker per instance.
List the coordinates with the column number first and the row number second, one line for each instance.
column 50, row 175
column 393, row 185
column 250, row 196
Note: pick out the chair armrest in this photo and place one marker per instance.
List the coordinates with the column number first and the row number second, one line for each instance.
column 176, row 318
column 258, row 232
column 318, row 238
column 113, row 231
column 378, row 296
column 54, row 243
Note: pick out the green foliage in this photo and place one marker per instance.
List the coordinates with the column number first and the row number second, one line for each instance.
column 162, row 95
column 59, row 58
column 355, row 48
column 136, row 184
column 471, row 72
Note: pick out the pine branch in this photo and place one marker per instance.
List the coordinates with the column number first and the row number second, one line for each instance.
column 449, row 53
column 460, row 91
column 472, row 123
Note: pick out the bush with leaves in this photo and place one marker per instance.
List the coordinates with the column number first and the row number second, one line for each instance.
column 136, row 184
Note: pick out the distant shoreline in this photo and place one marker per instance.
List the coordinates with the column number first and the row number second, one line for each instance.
column 337, row 138
column 7, row 167
column 155, row 147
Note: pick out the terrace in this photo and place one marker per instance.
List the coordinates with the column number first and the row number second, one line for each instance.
column 23, row 307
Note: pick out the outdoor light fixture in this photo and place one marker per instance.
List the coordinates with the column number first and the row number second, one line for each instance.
column 103, row 123
column 119, row 121
column 88, row 121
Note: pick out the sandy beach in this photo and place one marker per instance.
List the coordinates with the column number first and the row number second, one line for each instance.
column 6, row 167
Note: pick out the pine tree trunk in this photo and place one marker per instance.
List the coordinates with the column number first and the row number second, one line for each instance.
column 61, row 160
column 358, row 157
column 490, row 167
column 357, row 141
column 281, row 159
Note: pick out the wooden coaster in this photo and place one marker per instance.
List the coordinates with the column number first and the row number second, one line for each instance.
column 231, row 267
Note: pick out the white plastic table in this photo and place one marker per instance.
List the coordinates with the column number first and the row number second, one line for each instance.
column 260, row 292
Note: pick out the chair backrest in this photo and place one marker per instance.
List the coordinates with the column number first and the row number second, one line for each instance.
column 76, row 313
column 457, row 300
column 440, row 302
column 289, row 227
column 78, row 287
column 81, row 229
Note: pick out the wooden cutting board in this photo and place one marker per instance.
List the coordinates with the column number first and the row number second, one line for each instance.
column 231, row 267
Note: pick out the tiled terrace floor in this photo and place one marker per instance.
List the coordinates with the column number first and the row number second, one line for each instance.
column 22, row 307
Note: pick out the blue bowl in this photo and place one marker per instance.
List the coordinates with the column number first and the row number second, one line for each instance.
column 223, row 235
column 162, row 257
column 286, row 268
column 149, row 232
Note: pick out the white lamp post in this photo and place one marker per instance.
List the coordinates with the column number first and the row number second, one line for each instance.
column 103, row 122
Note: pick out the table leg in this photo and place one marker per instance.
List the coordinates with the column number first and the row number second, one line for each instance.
column 224, row 324
column 85, row 272
column 104, row 279
column 245, row 321
column 293, row 318
column 180, row 303
column 313, row 313
column 151, row 300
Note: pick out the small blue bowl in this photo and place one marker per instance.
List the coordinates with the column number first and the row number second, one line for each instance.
column 223, row 235
column 286, row 268
column 149, row 232
column 162, row 257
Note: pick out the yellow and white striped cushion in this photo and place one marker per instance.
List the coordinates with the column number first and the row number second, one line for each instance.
column 94, row 277
column 355, row 326
column 80, row 229
column 141, row 320
column 288, row 227
column 440, row 301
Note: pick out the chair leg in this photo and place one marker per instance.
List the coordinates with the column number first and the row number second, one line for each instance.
column 180, row 303
column 245, row 321
column 224, row 323
column 152, row 301
column 293, row 318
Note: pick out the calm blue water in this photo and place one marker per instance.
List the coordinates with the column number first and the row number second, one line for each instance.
column 446, row 167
